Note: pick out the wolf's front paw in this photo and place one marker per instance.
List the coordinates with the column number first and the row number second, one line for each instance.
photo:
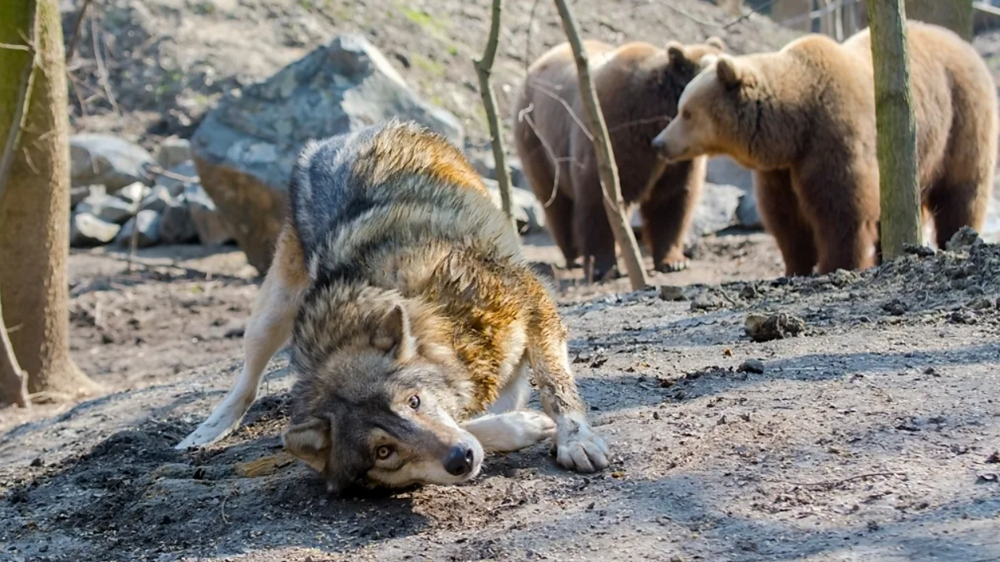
column 535, row 426
column 577, row 447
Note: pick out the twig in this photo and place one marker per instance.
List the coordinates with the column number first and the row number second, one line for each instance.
column 484, row 70
column 523, row 115
column 527, row 41
column 576, row 118
column 830, row 484
column 11, row 47
column 606, row 165
column 75, row 37
column 19, row 379
column 102, row 71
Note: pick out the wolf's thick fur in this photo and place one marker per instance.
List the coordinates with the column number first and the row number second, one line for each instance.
column 413, row 320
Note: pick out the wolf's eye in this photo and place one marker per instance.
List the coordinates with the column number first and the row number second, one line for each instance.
column 414, row 401
column 383, row 452
column 686, row 114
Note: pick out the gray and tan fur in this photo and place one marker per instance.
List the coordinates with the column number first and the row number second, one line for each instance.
column 413, row 320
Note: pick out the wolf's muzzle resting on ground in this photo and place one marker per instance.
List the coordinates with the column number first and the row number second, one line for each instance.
column 413, row 318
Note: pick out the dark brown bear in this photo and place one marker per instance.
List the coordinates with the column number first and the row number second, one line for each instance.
column 638, row 85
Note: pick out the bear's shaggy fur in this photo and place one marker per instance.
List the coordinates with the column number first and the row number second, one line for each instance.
column 638, row 85
column 803, row 119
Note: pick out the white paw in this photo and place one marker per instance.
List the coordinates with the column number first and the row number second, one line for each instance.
column 534, row 427
column 577, row 447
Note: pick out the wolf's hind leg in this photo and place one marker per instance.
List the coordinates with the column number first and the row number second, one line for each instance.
column 511, row 431
column 268, row 329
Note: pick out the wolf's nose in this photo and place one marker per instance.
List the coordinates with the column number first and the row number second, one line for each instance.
column 459, row 461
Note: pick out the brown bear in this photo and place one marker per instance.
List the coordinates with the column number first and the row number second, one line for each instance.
column 803, row 119
column 638, row 86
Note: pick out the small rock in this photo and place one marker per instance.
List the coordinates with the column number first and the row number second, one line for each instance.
column 755, row 366
column 133, row 193
column 78, row 194
column 980, row 303
column 176, row 225
column 672, row 293
column 106, row 160
column 988, row 478
column 707, row 301
column 963, row 317
column 173, row 151
column 920, row 251
column 993, row 458
column 158, row 200
column 86, row 230
column 749, row 292
column 963, row 240
column 37, row 462
column 895, row 307
column 762, row 328
column 148, row 230
column 106, row 207
column 212, row 227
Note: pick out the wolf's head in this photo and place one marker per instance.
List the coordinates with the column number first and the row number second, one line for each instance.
column 373, row 406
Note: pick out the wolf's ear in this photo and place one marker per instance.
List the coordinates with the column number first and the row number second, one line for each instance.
column 310, row 441
column 717, row 42
column 393, row 334
column 728, row 71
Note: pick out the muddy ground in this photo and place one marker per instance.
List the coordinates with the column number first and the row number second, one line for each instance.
column 872, row 436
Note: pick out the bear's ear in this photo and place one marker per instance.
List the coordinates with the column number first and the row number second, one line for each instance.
column 727, row 70
column 675, row 51
column 717, row 42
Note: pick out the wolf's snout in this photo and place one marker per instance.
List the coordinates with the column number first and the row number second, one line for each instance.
column 659, row 143
column 460, row 460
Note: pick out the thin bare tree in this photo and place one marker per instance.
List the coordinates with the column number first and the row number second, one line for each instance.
column 484, row 70
column 606, row 166
column 897, row 134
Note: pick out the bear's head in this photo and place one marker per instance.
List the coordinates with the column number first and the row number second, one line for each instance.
column 684, row 62
column 715, row 113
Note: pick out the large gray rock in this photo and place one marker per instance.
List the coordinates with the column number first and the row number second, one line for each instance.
column 148, row 226
column 158, row 200
column 173, row 151
column 78, row 194
column 179, row 176
column 106, row 160
column 133, row 193
column 106, row 207
column 86, row 230
column 176, row 224
column 527, row 211
column 716, row 209
column 213, row 228
column 723, row 170
column 484, row 163
column 245, row 149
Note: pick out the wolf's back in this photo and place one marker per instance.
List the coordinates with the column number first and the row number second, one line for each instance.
column 391, row 185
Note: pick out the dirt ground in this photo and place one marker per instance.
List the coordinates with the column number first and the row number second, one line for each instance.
column 871, row 436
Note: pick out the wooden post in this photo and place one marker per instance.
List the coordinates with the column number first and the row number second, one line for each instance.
column 606, row 165
column 897, row 134
column 484, row 69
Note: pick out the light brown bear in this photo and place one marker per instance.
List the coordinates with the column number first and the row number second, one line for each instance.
column 638, row 85
column 803, row 119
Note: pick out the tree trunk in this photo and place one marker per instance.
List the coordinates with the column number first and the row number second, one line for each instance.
column 34, row 209
column 956, row 15
column 484, row 70
column 897, row 134
column 606, row 166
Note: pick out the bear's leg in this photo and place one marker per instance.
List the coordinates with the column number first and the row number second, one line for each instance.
column 954, row 206
column 667, row 212
column 594, row 235
column 559, row 215
column 782, row 217
column 842, row 202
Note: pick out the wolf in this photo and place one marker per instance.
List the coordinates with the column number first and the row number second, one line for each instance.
column 413, row 319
